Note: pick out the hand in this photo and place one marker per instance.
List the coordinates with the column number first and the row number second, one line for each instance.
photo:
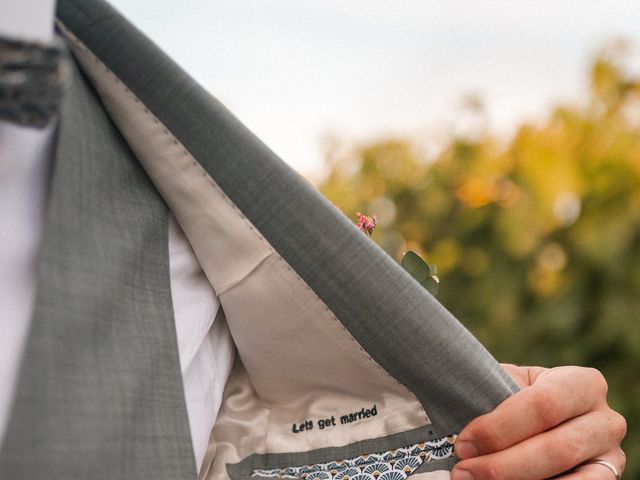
column 554, row 426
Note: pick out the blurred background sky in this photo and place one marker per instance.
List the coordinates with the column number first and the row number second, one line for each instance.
column 295, row 71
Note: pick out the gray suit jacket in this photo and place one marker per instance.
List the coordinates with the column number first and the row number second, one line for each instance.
column 346, row 367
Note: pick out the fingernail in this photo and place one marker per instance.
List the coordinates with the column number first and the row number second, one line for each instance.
column 465, row 450
column 458, row 474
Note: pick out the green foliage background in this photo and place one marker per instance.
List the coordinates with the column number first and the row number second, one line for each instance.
column 536, row 240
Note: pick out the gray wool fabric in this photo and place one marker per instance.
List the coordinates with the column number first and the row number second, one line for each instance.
column 100, row 394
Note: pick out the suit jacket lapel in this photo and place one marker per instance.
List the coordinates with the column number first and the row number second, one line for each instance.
column 100, row 392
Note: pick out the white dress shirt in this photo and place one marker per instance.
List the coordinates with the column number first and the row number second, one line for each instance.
column 206, row 349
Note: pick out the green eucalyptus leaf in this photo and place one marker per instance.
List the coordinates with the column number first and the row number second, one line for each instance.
column 415, row 266
column 431, row 285
column 424, row 273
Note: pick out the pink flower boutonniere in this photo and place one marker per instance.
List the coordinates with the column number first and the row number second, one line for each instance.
column 413, row 263
column 366, row 224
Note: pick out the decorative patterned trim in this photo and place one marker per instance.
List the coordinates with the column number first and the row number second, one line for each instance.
column 395, row 464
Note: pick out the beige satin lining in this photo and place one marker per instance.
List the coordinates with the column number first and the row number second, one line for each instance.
column 297, row 361
column 309, row 367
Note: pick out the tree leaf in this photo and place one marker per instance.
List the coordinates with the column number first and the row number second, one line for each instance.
column 431, row 285
column 415, row 266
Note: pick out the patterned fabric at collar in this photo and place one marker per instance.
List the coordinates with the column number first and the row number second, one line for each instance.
column 395, row 464
column 32, row 77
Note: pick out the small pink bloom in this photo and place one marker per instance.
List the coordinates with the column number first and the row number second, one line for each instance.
column 365, row 223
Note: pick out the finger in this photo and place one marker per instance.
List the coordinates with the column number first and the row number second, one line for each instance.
column 557, row 395
column 523, row 376
column 594, row 471
column 548, row 454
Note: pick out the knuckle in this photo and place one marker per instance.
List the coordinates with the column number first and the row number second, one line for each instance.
column 598, row 380
column 622, row 458
column 619, row 426
column 547, row 408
